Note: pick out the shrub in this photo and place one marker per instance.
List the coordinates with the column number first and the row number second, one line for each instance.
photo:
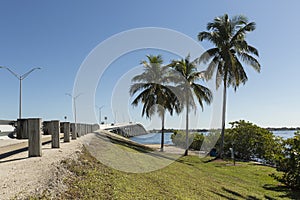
column 251, row 142
column 195, row 139
column 289, row 162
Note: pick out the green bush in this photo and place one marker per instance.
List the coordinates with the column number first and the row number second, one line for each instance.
column 251, row 142
column 289, row 162
column 195, row 139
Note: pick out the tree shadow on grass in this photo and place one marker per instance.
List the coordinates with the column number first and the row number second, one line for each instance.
column 211, row 160
column 135, row 146
column 223, row 195
column 186, row 162
column 288, row 193
column 236, row 195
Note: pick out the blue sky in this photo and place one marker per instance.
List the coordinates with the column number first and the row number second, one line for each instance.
column 59, row 35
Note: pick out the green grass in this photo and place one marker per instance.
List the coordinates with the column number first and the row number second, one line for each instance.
column 189, row 177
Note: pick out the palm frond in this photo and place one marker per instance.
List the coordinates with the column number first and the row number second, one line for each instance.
column 208, row 55
column 240, row 34
column 253, row 50
column 239, row 20
column 250, row 60
column 237, row 75
column 211, row 67
column 134, row 88
column 205, row 36
column 203, row 94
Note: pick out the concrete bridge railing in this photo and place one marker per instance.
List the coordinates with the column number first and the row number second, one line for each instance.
column 127, row 130
column 33, row 128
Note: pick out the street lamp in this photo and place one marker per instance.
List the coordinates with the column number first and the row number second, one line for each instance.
column 20, row 78
column 100, row 107
column 74, row 104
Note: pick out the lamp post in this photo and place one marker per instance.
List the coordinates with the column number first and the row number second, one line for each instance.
column 20, row 78
column 100, row 107
column 74, row 105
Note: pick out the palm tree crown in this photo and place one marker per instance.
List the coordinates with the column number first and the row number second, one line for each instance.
column 231, row 49
column 153, row 92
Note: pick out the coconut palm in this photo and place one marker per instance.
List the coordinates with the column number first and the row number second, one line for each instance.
column 190, row 88
column 228, row 57
column 152, row 90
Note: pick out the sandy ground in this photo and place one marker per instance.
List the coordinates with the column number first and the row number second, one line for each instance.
column 5, row 141
column 21, row 176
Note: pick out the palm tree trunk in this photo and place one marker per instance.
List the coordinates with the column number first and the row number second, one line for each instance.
column 220, row 155
column 187, row 127
column 162, row 131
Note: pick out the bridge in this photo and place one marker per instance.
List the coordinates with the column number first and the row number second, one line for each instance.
column 125, row 129
column 7, row 122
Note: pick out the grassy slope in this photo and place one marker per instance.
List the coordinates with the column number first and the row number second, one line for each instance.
column 188, row 178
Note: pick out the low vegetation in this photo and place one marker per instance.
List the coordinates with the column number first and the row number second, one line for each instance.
column 253, row 143
column 188, row 178
column 289, row 162
column 195, row 140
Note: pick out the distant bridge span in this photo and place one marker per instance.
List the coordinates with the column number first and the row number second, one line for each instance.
column 125, row 129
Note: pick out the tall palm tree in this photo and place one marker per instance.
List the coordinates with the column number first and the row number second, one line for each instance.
column 190, row 88
column 152, row 90
column 230, row 53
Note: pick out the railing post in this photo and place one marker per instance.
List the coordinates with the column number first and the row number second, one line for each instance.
column 22, row 129
column 47, row 127
column 79, row 130
column 73, row 129
column 66, row 129
column 55, row 130
column 34, row 137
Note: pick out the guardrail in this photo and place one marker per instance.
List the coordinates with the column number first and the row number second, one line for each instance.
column 33, row 128
column 7, row 122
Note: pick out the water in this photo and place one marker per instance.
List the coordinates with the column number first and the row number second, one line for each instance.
column 284, row 133
column 155, row 138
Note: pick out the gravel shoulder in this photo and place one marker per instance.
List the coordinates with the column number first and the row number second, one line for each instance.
column 21, row 176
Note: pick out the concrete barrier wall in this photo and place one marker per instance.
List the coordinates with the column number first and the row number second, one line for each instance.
column 32, row 129
column 130, row 130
